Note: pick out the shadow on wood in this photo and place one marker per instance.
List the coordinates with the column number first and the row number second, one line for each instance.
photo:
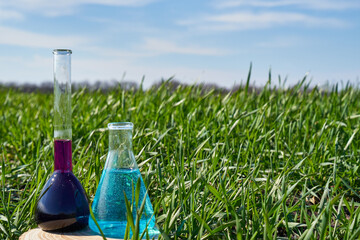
column 38, row 234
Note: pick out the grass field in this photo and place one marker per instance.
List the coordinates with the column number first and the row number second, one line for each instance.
column 245, row 165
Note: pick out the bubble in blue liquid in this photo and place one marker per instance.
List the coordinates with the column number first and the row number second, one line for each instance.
column 109, row 203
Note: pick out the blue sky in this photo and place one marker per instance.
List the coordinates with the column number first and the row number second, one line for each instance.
column 210, row 41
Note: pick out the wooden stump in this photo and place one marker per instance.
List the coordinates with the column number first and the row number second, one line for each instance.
column 38, row 234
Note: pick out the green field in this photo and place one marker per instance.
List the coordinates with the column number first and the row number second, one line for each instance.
column 265, row 164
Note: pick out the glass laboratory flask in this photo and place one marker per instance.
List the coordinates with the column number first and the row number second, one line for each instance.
column 62, row 204
column 120, row 175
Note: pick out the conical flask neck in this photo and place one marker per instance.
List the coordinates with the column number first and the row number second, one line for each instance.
column 120, row 147
column 120, row 140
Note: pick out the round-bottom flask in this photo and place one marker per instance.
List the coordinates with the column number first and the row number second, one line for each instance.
column 62, row 205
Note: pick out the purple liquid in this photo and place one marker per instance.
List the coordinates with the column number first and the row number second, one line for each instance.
column 62, row 155
column 63, row 205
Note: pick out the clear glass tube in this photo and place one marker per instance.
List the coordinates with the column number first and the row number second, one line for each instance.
column 62, row 110
column 62, row 94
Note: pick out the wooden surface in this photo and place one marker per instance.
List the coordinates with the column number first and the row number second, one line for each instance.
column 38, row 234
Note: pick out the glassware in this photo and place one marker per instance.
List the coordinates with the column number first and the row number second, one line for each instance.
column 62, row 205
column 120, row 175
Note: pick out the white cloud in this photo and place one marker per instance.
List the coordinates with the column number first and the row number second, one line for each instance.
column 131, row 3
column 10, row 15
column 244, row 20
column 16, row 37
column 308, row 4
column 150, row 46
column 160, row 46
column 65, row 7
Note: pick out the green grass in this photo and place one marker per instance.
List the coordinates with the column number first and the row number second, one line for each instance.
column 245, row 165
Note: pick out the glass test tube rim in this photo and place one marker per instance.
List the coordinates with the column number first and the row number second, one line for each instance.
column 120, row 126
column 62, row 51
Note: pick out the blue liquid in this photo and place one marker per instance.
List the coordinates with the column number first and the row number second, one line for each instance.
column 109, row 204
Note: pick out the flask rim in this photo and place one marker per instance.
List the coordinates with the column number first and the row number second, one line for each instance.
column 62, row 52
column 120, row 126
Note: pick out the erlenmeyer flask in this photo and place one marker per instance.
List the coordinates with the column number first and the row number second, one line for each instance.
column 120, row 175
column 62, row 205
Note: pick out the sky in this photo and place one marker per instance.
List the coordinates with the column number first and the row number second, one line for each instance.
column 194, row 41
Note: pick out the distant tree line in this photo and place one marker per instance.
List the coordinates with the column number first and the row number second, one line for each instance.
column 106, row 86
column 172, row 85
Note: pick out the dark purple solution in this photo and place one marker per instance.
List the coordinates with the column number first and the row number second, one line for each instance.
column 62, row 155
column 62, row 205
